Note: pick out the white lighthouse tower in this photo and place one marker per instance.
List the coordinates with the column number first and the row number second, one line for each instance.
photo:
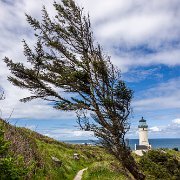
column 143, row 133
column 143, row 138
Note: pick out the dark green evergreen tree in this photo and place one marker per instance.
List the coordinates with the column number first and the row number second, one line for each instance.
column 66, row 60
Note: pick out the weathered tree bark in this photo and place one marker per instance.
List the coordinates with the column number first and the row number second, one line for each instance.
column 124, row 156
column 130, row 164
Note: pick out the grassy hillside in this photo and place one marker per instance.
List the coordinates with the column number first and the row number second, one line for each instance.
column 36, row 152
column 25, row 154
column 105, row 170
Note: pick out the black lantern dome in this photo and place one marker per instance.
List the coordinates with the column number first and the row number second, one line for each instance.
column 142, row 123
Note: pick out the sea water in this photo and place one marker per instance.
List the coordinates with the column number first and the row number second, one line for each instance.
column 155, row 143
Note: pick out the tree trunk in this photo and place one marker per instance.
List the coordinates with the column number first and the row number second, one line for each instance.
column 125, row 157
column 134, row 170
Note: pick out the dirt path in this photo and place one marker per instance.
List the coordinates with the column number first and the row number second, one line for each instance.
column 79, row 174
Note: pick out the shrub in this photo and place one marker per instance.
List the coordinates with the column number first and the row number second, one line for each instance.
column 175, row 149
column 10, row 167
column 160, row 165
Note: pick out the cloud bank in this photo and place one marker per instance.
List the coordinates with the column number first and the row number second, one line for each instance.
column 134, row 33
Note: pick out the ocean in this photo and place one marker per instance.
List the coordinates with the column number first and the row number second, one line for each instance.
column 155, row 143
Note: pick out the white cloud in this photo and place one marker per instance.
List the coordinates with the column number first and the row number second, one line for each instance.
column 31, row 127
column 164, row 96
column 129, row 24
column 68, row 134
column 133, row 29
column 139, row 75
column 155, row 129
column 171, row 130
column 176, row 121
column 82, row 133
column 14, row 28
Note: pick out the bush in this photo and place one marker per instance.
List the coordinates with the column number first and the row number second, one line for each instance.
column 160, row 165
column 10, row 167
column 175, row 149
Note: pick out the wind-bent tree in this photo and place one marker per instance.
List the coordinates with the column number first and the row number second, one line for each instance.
column 66, row 60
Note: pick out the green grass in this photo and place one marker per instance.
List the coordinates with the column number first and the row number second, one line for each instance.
column 104, row 170
column 64, row 152
column 37, row 151
column 69, row 166
column 48, row 147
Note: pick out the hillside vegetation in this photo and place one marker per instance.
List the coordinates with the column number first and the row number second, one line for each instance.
column 25, row 154
column 31, row 154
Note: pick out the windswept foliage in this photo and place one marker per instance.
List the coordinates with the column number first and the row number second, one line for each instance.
column 66, row 60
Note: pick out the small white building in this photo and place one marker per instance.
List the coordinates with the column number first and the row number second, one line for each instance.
column 143, row 138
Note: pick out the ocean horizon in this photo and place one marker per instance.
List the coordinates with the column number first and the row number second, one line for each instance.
column 169, row 143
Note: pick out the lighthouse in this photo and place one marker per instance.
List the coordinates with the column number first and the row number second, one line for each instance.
column 143, row 133
column 143, row 138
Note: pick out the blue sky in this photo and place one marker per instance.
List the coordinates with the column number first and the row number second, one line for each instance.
column 143, row 39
